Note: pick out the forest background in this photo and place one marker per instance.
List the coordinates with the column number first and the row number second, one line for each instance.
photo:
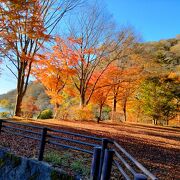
column 90, row 71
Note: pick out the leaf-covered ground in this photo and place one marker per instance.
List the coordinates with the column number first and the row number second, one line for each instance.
column 157, row 148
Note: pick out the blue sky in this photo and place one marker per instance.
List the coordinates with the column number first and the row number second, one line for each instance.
column 152, row 19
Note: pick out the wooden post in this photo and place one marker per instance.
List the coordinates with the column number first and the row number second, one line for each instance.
column 104, row 146
column 95, row 163
column 107, row 164
column 1, row 125
column 42, row 144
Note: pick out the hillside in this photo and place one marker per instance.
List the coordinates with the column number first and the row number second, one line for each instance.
column 165, row 52
column 34, row 90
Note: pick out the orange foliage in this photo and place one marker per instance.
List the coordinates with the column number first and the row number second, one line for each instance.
column 28, row 107
column 54, row 69
column 25, row 23
column 82, row 113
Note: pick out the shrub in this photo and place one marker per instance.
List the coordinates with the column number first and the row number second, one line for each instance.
column 29, row 107
column 83, row 113
column 57, row 158
column 79, row 167
column 65, row 159
column 63, row 113
column 106, row 112
column 46, row 114
column 4, row 114
column 53, row 158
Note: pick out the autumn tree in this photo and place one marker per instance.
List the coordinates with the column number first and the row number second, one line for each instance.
column 54, row 69
column 122, row 77
column 116, row 85
column 127, row 90
column 97, row 47
column 25, row 27
column 29, row 108
column 101, row 93
column 133, row 76
column 100, row 98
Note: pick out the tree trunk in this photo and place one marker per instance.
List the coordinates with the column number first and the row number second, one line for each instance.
column 154, row 121
column 114, row 104
column 114, row 108
column 100, row 114
column 17, row 111
column 21, row 88
column 82, row 101
column 167, row 121
column 124, row 110
column 56, row 107
column 138, row 113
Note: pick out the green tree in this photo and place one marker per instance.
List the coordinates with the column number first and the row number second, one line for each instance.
column 160, row 98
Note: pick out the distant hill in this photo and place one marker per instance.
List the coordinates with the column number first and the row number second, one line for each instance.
column 36, row 90
column 11, row 96
column 166, row 52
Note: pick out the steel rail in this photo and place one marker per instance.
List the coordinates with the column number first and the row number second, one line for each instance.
column 125, row 163
column 121, row 170
column 69, row 147
column 19, row 134
column 22, row 124
column 20, row 129
column 72, row 140
column 140, row 166
column 74, row 134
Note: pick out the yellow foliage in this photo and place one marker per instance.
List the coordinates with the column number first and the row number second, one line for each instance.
column 82, row 113
column 172, row 75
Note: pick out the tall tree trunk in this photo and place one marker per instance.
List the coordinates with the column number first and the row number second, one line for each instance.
column 21, row 89
column 56, row 110
column 138, row 113
column 114, row 104
column 124, row 109
column 114, row 108
column 82, row 100
column 154, row 121
column 17, row 111
column 22, row 83
column 167, row 121
column 100, row 113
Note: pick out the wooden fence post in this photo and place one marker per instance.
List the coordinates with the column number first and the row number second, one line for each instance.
column 95, row 163
column 42, row 144
column 107, row 164
column 1, row 125
column 104, row 146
